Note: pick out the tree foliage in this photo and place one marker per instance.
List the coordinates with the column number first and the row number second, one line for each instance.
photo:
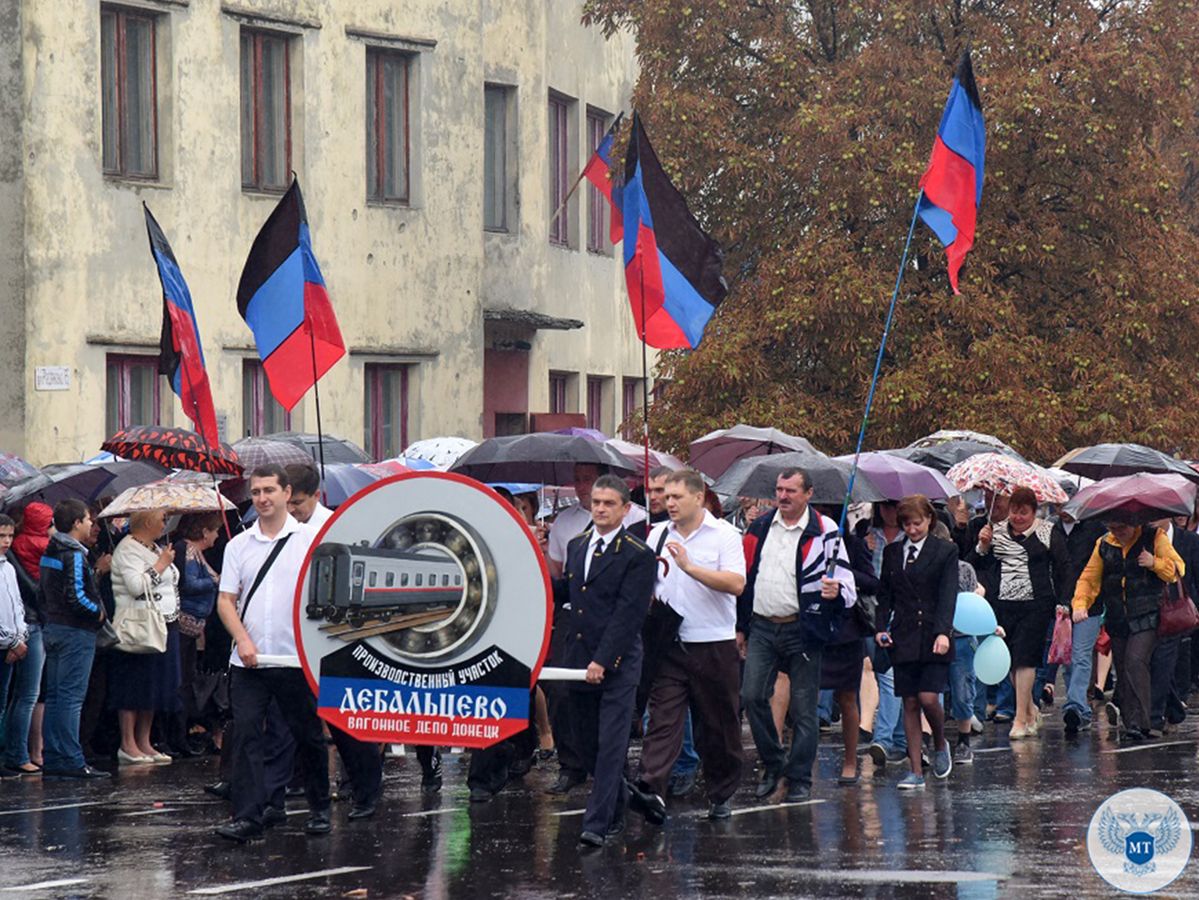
column 798, row 132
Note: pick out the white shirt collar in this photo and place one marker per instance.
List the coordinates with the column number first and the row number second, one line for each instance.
column 919, row 545
column 290, row 525
column 596, row 537
column 801, row 524
column 707, row 521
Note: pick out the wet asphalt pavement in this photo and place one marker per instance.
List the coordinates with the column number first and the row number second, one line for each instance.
column 1011, row 825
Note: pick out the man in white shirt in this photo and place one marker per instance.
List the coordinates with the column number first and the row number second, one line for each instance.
column 701, row 670
column 574, row 520
column 257, row 594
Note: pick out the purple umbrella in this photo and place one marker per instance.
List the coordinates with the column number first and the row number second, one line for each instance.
column 896, row 477
column 592, row 434
column 1134, row 499
column 713, row 453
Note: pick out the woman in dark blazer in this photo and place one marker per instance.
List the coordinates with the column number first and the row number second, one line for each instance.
column 917, row 595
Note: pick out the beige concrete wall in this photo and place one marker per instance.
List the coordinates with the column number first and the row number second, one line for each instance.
column 404, row 280
column 12, row 224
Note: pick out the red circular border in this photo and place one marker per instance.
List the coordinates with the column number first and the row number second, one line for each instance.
column 448, row 476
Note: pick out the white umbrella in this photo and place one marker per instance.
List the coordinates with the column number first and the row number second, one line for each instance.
column 443, row 452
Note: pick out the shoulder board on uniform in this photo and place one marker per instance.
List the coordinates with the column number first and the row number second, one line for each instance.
column 635, row 541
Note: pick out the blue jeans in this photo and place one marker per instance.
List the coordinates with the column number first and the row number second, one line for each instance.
column 824, row 706
column 27, row 683
column 888, row 721
column 69, row 654
column 688, row 760
column 1078, row 673
column 962, row 684
column 1005, row 698
column 777, row 648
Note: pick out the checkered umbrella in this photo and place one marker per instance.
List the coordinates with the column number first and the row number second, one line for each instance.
column 1002, row 474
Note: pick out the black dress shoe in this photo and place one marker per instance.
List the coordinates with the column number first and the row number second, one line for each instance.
column 272, row 816
column 83, row 772
column 239, row 831
column 798, row 793
column 767, row 785
column 649, row 804
column 590, row 840
column 567, row 781
column 721, row 810
column 318, row 822
column 222, row 789
column 361, row 811
column 480, row 795
column 615, row 830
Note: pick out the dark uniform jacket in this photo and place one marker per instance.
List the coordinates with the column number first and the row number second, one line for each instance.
column 917, row 604
column 607, row 609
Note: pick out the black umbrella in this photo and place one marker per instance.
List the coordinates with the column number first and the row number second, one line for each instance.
column 61, row 481
column 337, row 450
column 255, row 451
column 945, row 456
column 539, row 458
column 1113, row 460
column 756, row 477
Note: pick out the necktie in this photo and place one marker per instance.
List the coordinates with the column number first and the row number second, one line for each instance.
column 912, row 551
column 595, row 554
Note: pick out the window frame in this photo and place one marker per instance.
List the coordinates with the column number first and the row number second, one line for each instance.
column 559, row 176
column 121, row 15
column 559, row 384
column 595, row 402
column 373, row 374
column 125, row 363
column 254, row 419
column 257, row 37
column 597, row 212
column 500, row 186
column 375, row 105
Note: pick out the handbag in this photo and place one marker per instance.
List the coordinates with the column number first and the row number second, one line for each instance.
column 140, row 626
column 1062, row 645
column 1176, row 612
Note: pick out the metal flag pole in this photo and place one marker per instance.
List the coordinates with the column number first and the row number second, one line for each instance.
column 878, row 366
column 316, row 393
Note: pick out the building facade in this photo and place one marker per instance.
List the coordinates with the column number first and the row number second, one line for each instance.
column 435, row 141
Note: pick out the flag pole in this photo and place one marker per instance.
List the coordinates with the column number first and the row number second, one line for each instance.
column 878, row 366
column 316, row 392
column 644, row 385
column 216, row 489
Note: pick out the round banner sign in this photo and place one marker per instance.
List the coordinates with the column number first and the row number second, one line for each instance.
column 423, row 614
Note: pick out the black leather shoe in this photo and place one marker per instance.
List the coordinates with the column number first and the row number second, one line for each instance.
column 798, row 793
column 722, row 810
column 83, row 772
column 272, row 816
column 480, row 795
column 567, row 781
column 361, row 811
column 222, row 789
column 681, row 785
column 239, row 831
column 589, row 840
column 318, row 822
column 767, row 785
column 615, row 830
column 648, row 804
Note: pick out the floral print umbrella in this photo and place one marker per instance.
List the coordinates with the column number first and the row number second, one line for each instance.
column 173, row 448
column 173, row 496
column 1002, row 474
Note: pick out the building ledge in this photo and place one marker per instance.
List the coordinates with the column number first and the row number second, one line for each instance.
column 396, row 352
column 528, row 319
column 123, row 340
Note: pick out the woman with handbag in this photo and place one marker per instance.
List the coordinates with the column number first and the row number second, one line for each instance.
column 198, row 582
column 144, row 674
column 1126, row 572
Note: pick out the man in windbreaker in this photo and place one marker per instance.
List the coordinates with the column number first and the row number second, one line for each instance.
column 787, row 613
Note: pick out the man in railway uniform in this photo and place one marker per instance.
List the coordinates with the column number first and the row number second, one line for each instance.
column 608, row 580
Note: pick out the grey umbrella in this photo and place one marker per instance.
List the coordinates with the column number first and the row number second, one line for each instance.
column 756, row 477
column 540, row 458
column 946, row 455
column 713, row 453
column 1113, row 460
column 337, row 450
column 256, row 451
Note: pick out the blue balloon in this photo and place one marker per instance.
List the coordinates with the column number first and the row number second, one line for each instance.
column 992, row 660
column 973, row 615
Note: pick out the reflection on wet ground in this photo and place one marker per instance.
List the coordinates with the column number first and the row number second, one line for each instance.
column 1011, row 825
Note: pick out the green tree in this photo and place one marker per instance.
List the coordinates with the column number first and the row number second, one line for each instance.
column 799, row 131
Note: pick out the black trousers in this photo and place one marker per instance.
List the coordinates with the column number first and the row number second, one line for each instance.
column 557, row 700
column 364, row 765
column 1131, row 657
column 251, row 692
column 489, row 766
column 1169, row 681
column 600, row 721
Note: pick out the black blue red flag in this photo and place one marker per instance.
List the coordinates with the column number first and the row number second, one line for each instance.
column 283, row 299
column 953, row 183
column 599, row 172
column 180, row 356
column 672, row 267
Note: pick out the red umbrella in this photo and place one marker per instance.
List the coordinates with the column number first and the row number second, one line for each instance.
column 174, row 448
column 1134, row 499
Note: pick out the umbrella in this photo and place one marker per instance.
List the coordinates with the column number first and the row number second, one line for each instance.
column 592, row 434
column 173, row 448
column 716, row 451
column 62, row 481
column 545, row 458
column 949, row 435
column 443, row 452
column 897, row 477
column 944, row 457
column 256, row 451
column 1134, row 499
column 635, row 453
column 342, row 480
column 13, row 469
column 410, row 462
column 756, row 477
column 172, row 496
column 1002, row 474
column 1109, row 460
column 337, row 450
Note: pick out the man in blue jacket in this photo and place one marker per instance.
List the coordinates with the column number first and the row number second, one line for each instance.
column 73, row 611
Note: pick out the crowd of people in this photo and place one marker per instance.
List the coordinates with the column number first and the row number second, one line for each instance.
column 689, row 619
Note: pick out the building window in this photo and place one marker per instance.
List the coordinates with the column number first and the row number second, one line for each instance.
column 597, row 203
column 559, row 158
column 133, row 396
column 387, row 132
column 385, row 414
column 558, row 383
column 129, row 93
column 495, row 157
column 630, row 398
column 265, row 110
column 261, row 412
column 595, row 403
